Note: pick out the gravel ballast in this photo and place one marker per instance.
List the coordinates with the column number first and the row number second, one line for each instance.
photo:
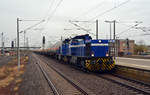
column 95, row 84
column 34, row 82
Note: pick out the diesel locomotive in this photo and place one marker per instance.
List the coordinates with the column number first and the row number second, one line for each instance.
column 85, row 52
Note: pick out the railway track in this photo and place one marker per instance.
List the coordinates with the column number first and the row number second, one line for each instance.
column 136, row 87
column 54, row 89
column 132, row 80
column 51, row 85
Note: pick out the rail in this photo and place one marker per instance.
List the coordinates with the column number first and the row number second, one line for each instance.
column 69, row 80
column 55, row 91
column 127, row 85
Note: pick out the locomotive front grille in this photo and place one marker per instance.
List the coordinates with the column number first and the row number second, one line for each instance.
column 100, row 64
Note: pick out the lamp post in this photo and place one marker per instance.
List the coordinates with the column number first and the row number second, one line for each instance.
column 24, row 38
column 114, row 38
column 110, row 27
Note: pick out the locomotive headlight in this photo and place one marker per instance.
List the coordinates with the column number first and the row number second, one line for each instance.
column 107, row 54
column 100, row 41
column 92, row 54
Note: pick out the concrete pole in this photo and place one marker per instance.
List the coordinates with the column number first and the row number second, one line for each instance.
column 15, row 42
column 24, row 39
column 110, row 45
column 114, row 39
column 61, row 44
column 2, row 43
column 110, row 31
column 27, row 43
column 18, row 49
column 97, row 29
column 2, row 51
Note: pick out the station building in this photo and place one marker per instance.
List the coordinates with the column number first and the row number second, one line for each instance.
column 148, row 49
column 125, row 47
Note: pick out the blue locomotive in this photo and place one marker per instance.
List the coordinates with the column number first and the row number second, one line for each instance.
column 86, row 53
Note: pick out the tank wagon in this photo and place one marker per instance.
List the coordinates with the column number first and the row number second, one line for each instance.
column 85, row 52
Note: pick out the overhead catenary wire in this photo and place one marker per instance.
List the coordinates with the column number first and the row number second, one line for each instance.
column 125, row 36
column 125, row 2
column 82, row 28
column 47, row 18
column 132, row 27
column 124, row 24
column 85, row 13
column 116, row 6
column 52, row 13
column 95, row 7
column 79, row 27
column 49, row 9
column 134, row 35
column 127, row 29
column 144, row 29
column 46, row 14
column 33, row 26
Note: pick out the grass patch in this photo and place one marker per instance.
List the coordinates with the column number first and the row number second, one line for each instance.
column 9, row 74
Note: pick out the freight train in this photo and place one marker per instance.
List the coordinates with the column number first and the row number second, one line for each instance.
column 84, row 52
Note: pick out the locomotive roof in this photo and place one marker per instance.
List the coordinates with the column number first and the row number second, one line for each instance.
column 82, row 37
column 66, row 40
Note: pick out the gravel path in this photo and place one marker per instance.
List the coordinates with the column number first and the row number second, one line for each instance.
column 97, row 85
column 34, row 82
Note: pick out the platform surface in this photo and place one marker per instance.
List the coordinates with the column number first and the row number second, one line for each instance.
column 133, row 62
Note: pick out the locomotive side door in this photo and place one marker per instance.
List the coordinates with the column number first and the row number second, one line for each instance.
column 88, row 49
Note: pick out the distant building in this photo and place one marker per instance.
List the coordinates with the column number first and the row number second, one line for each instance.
column 124, row 47
column 148, row 48
column 0, row 52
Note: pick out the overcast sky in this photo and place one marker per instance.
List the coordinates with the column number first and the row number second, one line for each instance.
column 83, row 10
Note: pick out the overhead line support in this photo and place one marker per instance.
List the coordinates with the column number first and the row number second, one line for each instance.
column 18, row 51
column 114, row 39
column 96, row 29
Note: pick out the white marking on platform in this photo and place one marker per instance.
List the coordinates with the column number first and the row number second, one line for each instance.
column 133, row 65
column 148, row 60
